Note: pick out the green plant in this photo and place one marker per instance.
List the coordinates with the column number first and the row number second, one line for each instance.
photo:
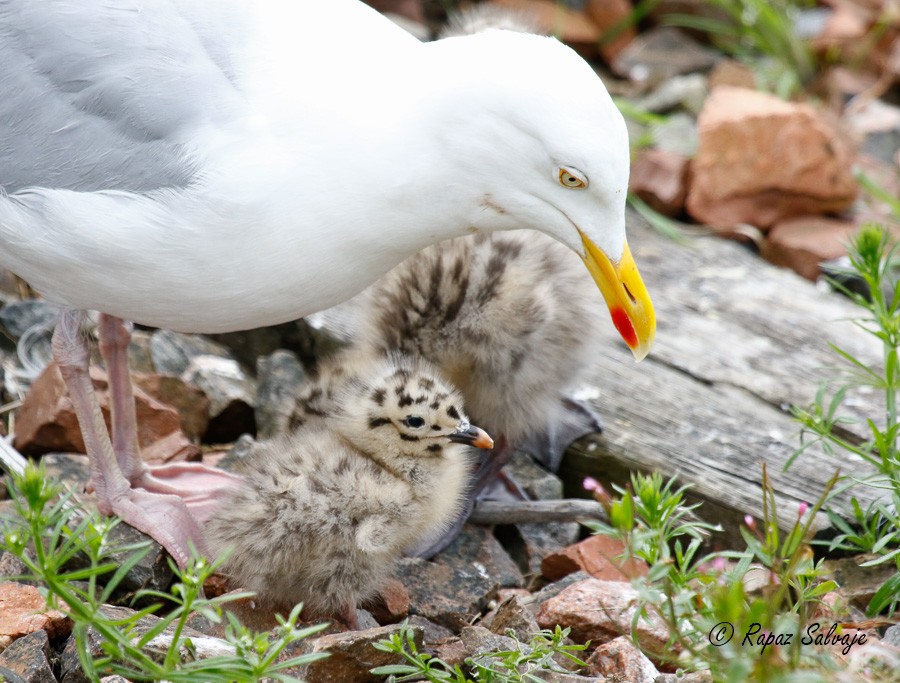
column 729, row 612
column 761, row 33
column 48, row 532
column 520, row 665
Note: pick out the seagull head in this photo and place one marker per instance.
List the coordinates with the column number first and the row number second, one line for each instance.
column 541, row 145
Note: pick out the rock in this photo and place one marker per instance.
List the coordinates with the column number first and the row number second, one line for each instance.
column 892, row 636
column 513, row 615
column 600, row 611
column 596, row 555
column 731, row 72
column 23, row 610
column 858, row 584
column 540, row 540
column 172, row 351
column 803, row 244
column 619, row 657
column 879, row 125
column 553, row 589
column 660, row 178
column 352, row 657
column 238, row 455
column 616, row 32
column 479, row 643
column 10, row 565
column 140, row 357
column 190, row 402
column 680, row 92
column 537, row 482
column 661, row 53
column 280, row 376
column 761, row 160
column 692, row 677
column 677, row 134
column 18, row 317
column 232, row 396
column 391, row 605
column 570, row 26
column 432, row 632
column 70, row 664
column 455, row 586
column 46, row 421
column 475, row 551
column 28, row 657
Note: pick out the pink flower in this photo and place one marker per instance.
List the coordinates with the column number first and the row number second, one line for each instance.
column 591, row 484
column 749, row 522
column 802, row 508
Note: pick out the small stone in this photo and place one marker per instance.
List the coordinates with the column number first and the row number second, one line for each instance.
column 619, row 657
column 537, row 482
column 479, row 643
column 280, row 376
column 476, row 552
column 23, row 610
column 352, row 657
column 114, row 679
column 27, row 657
column 660, row 178
column 432, row 632
column 448, row 596
column 232, row 396
column 731, row 72
column 677, row 135
column 599, row 556
column 452, row 651
column 46, row 421
column 803, row 244
column 391, row 604
column 513, row 615
column 892, row 636
column 553, row 589
column 680, row 92
column 533, row 542
column 692, row 677
column 599, row 611
column 661, row 53
column 172, row 351
column 761, row 160
column 239, row 455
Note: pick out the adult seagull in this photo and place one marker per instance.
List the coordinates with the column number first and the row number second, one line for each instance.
column 213, row 166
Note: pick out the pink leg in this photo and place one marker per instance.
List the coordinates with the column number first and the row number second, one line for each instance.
column 198, row 485
column 163, row 517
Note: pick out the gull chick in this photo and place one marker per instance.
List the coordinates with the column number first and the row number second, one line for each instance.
column 505, row 317
column 324, row 511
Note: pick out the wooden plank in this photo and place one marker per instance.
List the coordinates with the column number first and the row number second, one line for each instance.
column 739, row 342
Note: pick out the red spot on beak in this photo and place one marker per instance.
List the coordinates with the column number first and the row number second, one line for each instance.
column 623, row 325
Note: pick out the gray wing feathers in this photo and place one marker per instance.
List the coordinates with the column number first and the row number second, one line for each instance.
column 101, row 95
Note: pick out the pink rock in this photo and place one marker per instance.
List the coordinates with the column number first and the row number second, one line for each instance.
column 596, row 555
column 608, row 15
column 600, row 611
column 660, row 178
column 761, row 159
column 619, row 657
column 23, row 610
column 46, row 421
column 801, row 244
column 391, row 604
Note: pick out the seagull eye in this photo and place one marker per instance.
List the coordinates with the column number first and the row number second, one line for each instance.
column 414, row 422
column 568, row 178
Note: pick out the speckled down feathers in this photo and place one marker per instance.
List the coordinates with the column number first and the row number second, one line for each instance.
column 509, row 317
column 327, row 509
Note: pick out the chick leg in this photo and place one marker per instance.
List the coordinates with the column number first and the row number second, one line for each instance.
column 198, row 485
column 162, row 517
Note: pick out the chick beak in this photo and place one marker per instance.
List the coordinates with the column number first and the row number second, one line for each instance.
column 472, row 436
column 625, row 294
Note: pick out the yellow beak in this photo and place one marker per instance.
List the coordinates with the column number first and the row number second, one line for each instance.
column 625, row 294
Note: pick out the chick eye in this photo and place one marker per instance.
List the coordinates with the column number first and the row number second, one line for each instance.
column 569, row 179
column 414, row 422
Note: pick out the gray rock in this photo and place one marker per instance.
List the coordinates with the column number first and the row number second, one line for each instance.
column 431, row 632
column 661, row 53
column 28, row 657
column 231, row 392
column 475, row 551
column 351, row 655
column 140, row 353
column 172, row 352
column 551, row 590
column 18, row 317
column 537, row 482
column 236, row 458
column 540, row 540
column 479, row 642
column 681, row 92
column 442, row 594
column 280, row 376
column 677, row 134
column 892, row 636
column 514, row 615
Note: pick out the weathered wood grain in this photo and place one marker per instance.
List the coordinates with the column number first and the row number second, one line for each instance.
column 739, row 341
